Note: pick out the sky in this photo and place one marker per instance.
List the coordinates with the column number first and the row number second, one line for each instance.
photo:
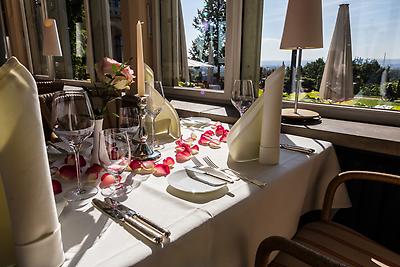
column 375, row 28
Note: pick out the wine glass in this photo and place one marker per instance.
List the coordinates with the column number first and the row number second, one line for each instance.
column 115, row 156
column 73, row 122
column 153, row 108
column 242, row 95
column 128, row 120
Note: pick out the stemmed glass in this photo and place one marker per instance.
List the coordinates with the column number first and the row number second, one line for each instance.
column 115, row 156
column 128, row 120
column 73, row 122
column 153, row 108
column 242, row 95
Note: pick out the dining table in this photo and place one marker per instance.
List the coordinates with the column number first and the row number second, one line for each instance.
column 219, row 228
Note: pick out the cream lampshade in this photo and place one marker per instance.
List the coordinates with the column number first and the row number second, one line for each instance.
column 51, row 41
column 51, row 44
column 302, row 30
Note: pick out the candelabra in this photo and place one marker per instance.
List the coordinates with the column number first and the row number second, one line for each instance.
column 143, row 151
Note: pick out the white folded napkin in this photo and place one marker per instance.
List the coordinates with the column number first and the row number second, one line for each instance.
column 168, row 119
column 271, row 122
column 25, row 171
column 245, row 136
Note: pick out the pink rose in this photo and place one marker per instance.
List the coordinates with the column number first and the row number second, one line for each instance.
column 105, row 66
column 128, row 73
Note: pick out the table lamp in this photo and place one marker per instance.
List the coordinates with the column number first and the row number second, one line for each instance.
column 302, row 30
column 51, row 44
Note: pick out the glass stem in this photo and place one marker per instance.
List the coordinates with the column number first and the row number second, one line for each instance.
column 152, row 140
column 78, row 169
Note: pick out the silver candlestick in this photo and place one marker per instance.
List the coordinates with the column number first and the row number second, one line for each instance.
column 143, row 151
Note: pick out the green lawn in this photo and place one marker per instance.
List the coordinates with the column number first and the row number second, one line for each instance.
column 368, row 102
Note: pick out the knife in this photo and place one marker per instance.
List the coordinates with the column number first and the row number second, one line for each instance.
column 125, row 221
column 125, row 211
column 190, row 171
column 213, row 172
column 300, row 149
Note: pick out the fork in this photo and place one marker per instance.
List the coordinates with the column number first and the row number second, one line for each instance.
column 211, row 164
column 197, row 162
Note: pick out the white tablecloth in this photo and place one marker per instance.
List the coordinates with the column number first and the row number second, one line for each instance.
column 222, row 231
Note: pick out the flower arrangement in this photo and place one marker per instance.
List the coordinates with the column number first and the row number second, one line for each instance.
column 116, row 78
column 114, row 74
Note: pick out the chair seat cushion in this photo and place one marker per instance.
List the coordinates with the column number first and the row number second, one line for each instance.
column 340, row 243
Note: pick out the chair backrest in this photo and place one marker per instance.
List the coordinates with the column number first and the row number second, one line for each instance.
column 45, row 87
column 45, row 101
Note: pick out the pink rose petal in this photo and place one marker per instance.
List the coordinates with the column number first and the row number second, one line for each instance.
column 107, row 180
column 161, row 170
column 183, row 156
column 195, row 149
column 214, row 144
column 68, row 172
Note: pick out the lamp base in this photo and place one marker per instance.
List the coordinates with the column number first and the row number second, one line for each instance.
column 301, row 116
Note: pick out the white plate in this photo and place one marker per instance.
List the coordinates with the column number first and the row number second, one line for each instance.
column 181, row 181
column 196, row 121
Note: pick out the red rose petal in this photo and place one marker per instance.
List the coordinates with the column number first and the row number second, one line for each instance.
column 161, row 170
column 70, row 160
column 208, row 133
column 223, row 138
column 135, row 164
column 219, row 130
column 204, row 141
column 57, row 188
column 68, row 172
column 169, row 161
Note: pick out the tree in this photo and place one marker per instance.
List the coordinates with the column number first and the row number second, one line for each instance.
column 366, row 71
column 313, row 70
column 211, row 24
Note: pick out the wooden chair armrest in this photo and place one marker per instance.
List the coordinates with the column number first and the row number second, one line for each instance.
column 293, row 248
column 353, row 175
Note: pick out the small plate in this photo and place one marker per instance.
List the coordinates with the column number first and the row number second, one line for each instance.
column 180, row 180
column 196, row 121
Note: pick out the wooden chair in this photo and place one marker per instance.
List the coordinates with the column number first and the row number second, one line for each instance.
column 46, row 87
column 45, row 101
column 326, row 243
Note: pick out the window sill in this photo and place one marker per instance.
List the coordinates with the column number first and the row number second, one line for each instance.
column 356, row 135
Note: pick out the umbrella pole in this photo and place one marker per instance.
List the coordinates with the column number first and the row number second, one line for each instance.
column 298, row 79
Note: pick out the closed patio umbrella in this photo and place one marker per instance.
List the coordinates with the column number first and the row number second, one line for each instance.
column 337, row 80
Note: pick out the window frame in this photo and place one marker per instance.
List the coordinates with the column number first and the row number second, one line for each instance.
column 234, row 11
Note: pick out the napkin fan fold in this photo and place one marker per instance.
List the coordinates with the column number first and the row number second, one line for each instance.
column 168, row 119
column 25, row 171
column 256, row 134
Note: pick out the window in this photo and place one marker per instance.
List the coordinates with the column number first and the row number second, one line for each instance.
column 88, row 31
column 199, row 47
column 375, row 35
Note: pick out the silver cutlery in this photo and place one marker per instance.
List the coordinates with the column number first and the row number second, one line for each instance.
column 212, row 171
column 211, row 164
column 131, row 213
column 300, row 149
column 126, row 221
column 191, row 173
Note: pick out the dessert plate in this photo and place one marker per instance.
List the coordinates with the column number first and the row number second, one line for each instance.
column 180, row 180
